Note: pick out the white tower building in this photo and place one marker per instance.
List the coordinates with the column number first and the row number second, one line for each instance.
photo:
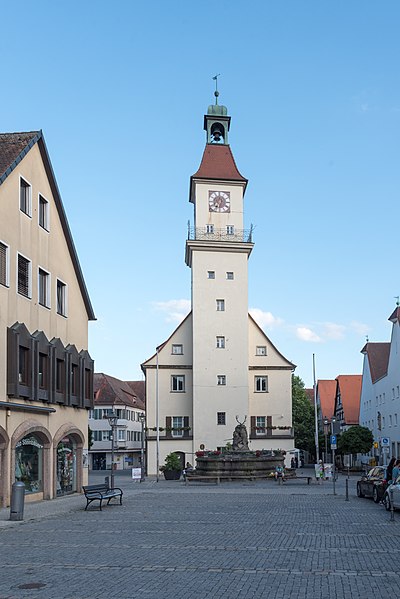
column 218, row 365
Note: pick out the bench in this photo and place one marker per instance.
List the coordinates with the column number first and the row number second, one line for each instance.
column 219, row 477
column 101, row 493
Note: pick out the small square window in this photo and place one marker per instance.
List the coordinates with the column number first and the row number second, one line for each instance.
column 43, row 213
column 25, row 197
column 261, row 384
column 229, row 276
column 211, row 274
column 221, row 418
column 261, row 350
column 221, row 379
column 4, row 264
column 209, row 228
column 178, row 383
column 220, row 342
column 24, row 276
column 177, row 349
column 220, row 305
column 44, row 288
column 61, row 298
column 230, row 230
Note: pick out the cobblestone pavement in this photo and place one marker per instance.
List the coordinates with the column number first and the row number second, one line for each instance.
column 234, row 540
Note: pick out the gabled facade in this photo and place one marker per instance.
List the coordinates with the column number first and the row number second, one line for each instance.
column 46, row 373
column 347, row 401
column 326, row 392
column 114, row 395
column 380, row 395
column 218, row 365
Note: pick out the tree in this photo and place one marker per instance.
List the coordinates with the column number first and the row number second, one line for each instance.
column 357, row 439
column 303, row 417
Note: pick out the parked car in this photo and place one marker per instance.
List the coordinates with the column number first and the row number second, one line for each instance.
column 392, row 490
column 373, row 484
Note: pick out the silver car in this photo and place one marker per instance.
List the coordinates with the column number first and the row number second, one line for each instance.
column 393, row 490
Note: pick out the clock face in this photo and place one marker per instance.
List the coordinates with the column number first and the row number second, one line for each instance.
column 219, row 201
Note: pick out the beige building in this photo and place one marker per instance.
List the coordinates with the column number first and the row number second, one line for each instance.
column 218, row 367
column 46, row 373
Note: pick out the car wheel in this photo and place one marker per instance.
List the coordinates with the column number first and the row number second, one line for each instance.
column 386, row 501
column 375, row 495
column 359, row 492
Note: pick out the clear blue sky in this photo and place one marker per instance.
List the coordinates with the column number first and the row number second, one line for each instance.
column 120, row 90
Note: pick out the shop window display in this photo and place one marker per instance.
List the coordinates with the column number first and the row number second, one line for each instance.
column 29, row 463
column 66, row 466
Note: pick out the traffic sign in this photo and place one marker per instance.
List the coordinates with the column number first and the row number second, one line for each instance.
column 333, row 441
column 385, row 449
column 385, row 441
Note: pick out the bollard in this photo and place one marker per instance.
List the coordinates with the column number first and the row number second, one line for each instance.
column 17, row 501
column 107, row 481
column 391, row 505
column 347, row 489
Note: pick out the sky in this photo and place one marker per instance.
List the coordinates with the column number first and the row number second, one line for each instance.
column 120, row 90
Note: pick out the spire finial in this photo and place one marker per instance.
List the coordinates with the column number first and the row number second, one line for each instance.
column 397, row 298
column 216, row 93
column 367, row 338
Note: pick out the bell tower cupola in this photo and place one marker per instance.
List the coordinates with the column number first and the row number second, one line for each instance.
column 217, row 121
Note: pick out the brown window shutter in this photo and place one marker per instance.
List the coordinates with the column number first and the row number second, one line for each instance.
column 269, row 426
column 168, row 424
column 186, row 432
column 252, row 425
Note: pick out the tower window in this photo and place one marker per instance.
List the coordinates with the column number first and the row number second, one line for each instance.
column 211, row 274
column 25, row 197
column 209, row 228
column 221, row 379
column 220, row 305
column 229, row 276
column 221, row 418
column 220, row 342
column 261, row 384
column 230, row 229
column 261, row 350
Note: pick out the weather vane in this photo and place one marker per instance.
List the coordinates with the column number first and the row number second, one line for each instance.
column 216, row 93
column 397, row 298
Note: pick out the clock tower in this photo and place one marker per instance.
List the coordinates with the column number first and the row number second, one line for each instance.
column 217, row 251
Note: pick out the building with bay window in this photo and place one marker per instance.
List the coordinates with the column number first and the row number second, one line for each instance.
column 46, row 372
column 218, row 366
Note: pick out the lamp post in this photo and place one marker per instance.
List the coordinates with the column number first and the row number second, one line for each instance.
column 112, row 421
column 142, row 417
column 326, row 428
column 333, row 455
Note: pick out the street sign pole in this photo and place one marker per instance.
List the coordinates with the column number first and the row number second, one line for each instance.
column 333, row 447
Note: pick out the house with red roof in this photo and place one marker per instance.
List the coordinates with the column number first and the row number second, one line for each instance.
column 380, row 393
column 347, row 401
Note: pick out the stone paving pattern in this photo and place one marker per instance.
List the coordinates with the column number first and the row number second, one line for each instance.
column 234, row 540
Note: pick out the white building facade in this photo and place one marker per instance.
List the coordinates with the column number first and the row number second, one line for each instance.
column 380, row 394
column 218, row 367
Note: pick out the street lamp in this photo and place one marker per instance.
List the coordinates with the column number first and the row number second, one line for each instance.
column 112, row 420
column 326, row 428
column 142, row 417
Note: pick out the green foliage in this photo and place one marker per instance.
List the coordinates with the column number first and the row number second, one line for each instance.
column 357, row 439
column 172, row 462
column 303, row 417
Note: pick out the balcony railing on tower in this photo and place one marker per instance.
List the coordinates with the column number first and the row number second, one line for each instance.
column 210, row 233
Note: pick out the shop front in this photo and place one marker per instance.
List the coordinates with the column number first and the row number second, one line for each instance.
column 66, row 466
column 29, row 463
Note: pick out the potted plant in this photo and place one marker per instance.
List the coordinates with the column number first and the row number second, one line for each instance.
column 172, row 468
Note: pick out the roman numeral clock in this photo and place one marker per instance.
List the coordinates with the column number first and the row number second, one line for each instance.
column 219, row 201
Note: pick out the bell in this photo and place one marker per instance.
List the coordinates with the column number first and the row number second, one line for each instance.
column 217, row 134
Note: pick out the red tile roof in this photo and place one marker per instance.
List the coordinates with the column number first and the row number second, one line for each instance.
column 12, row 145
column 378, row 359
column 395, row 316
column 217, row 163
column 111, row 391
column 310, row 395
column 349, row 386
column 326, row 391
